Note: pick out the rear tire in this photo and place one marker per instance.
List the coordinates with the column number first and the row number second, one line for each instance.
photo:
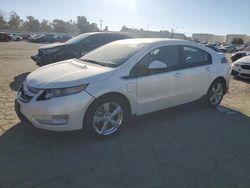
column 106, row 116
column 215, row 93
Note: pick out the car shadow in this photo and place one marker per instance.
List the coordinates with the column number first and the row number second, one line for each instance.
column 190, row 135
column 245, row 80
column 18, row 80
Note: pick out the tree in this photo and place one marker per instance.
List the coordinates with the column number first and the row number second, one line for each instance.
column 82, row 24
column 15, row 21
column 237, row 41
column 3, row 23
column 59, row 26
column 45, row 26
column 93, row 27
column 71, row 27
column 124, row 28
column 31, row 24
column 106, row 28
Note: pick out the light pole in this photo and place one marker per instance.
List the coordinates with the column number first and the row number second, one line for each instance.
column 101, row 24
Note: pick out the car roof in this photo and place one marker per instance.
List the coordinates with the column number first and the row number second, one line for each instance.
column 155, row 41
column 98, row 33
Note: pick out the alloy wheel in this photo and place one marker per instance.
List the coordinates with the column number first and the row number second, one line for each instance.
column 216, row 93
column 108, row 118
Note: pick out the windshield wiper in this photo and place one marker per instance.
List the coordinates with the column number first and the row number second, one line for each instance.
column 97, row 62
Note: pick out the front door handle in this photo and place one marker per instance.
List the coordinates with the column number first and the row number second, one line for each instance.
column 178, row 75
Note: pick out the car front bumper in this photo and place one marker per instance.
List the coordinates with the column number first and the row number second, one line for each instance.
column 239, row 72
column 38, row 59
column 73, row 106
column 43, row 60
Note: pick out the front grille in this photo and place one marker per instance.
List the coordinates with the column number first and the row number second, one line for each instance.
column 246, row 67
column 40, row 52
column 245, row 75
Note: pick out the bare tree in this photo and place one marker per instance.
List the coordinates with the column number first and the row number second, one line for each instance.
column 46, row 26
column 15, row 21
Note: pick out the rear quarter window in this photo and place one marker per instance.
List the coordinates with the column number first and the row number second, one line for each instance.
column 192, row 56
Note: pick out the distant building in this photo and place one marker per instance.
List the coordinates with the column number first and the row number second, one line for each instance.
column 152, row 34
column 230, row 37
column 208, row 37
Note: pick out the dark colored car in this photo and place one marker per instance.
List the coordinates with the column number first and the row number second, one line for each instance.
column 75, row 47
column 44, row 39
column 4, row 37
column 239, row 54
column 25, row 36
column 213, row 47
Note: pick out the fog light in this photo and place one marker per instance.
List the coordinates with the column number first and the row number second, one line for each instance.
column 52, row 120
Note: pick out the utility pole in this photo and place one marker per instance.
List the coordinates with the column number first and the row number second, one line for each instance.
column 101, row 24
column 172, row 32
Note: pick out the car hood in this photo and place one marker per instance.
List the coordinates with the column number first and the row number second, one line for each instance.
column 244, row 60
column 241, row 52
column 52, row 45
column 67, row 74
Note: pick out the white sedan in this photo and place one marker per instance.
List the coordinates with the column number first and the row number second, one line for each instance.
column 241, row 67
column 99, row 91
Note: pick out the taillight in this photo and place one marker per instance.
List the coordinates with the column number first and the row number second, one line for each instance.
column 224, row 60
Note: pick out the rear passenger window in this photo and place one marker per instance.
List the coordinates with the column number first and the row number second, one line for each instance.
column 195, row 56
column 166, row 54
column 95, row 40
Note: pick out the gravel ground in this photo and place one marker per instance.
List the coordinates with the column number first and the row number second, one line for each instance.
column 187, row 146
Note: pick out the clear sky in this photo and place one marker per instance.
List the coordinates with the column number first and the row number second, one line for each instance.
column 188, row 16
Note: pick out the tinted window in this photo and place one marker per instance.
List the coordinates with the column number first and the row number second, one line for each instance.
column 78, row 39
column 166, row 54
column 119, row 37
column 95, row 39
column 194, row 56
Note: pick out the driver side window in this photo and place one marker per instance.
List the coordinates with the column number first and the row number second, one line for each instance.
column 167, row 55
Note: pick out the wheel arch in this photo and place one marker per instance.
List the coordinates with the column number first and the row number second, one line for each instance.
column 221, row 79
column 118, row 94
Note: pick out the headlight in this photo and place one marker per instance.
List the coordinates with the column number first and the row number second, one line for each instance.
column 51, row 93
column 50, row 51
column 236, row 64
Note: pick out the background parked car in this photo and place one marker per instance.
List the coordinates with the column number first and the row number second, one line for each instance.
column 227, row 48
column 213, row 47
column 237, row 55
column 241, row 67
column 75, row 47
column 239, row 48
column 16, row 37
column 4, row 37
column 25, row 36
column 65, row 38
column 49, row 38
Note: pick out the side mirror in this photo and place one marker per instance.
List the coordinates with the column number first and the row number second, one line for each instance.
column 157, row 65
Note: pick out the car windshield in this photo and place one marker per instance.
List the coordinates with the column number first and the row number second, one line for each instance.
column 77, row 39
column 113, row 54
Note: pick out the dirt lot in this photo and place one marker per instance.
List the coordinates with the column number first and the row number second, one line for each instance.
column 187, row 146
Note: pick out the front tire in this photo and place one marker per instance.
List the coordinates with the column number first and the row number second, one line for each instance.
column 215, row 93
column 106, row 116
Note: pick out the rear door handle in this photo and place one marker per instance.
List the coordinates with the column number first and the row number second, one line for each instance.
column 178, row 75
